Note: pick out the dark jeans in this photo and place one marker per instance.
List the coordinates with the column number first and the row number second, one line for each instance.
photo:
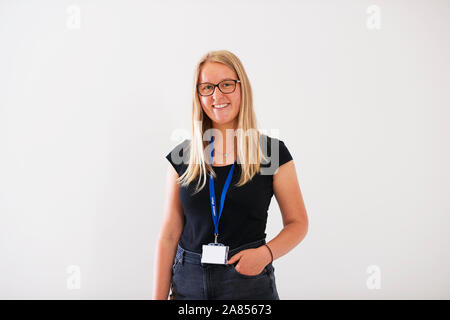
column 193, row 280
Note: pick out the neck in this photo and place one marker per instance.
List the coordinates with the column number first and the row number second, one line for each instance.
column 224, row 143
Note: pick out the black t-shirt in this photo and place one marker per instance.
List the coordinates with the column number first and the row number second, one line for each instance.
column 244, row 214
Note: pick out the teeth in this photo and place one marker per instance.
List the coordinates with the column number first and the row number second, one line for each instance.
column 219, row 106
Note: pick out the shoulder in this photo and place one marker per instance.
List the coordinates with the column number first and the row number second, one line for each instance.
column 182, row 146
column 276, row 151
column 268, row 141
column 179, row 155
column 274, row 147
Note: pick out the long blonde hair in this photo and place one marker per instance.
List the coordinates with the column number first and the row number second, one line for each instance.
column 249, row 150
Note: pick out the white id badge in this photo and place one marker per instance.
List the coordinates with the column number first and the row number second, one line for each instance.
column 215, row 253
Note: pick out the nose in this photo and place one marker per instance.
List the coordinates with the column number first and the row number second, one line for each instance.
column 217, row 95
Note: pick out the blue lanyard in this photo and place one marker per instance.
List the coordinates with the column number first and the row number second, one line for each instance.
column 212, row 194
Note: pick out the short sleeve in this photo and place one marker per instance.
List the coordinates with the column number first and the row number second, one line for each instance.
column 285, row 155
column 178, row 157
column 277, row 153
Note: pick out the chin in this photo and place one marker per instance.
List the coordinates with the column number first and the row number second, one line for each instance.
column 224, row 122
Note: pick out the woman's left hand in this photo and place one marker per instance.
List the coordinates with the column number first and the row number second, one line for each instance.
column 251, row 261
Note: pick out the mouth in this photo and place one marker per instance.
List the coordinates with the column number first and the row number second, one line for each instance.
column 220, row 106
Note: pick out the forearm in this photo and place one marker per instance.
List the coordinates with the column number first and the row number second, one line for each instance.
column 288, row 238
column 162, row 270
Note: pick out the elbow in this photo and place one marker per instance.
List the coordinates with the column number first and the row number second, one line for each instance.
column 302, row 230
column 299, row 228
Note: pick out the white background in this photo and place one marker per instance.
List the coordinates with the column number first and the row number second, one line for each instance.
column 94, row 94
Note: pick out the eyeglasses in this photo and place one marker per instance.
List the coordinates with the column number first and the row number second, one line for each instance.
column 225, row 86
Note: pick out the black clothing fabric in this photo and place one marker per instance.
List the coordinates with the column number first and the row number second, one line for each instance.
column 244, row 214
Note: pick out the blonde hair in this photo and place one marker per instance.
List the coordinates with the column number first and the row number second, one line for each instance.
column 247, row 135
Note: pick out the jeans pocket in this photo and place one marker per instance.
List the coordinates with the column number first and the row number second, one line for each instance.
column 176, row 264
column 244, row 276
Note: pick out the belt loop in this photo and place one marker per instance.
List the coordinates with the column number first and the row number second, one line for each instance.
column 179, row 255
column 183, row 252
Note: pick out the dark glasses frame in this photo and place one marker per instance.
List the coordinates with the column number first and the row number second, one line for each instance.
column 217, row 85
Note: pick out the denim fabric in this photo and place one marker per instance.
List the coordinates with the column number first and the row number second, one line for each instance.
column 193, row 280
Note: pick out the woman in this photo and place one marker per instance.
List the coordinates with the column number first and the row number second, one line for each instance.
column 216, row 249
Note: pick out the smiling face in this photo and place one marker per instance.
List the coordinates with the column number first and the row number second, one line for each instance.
column 221, row 108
